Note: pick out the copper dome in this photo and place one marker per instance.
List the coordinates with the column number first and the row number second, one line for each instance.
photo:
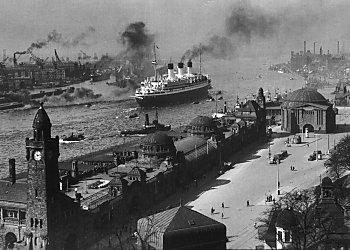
column 41, row 119
column 303, row 96
column 158, row 138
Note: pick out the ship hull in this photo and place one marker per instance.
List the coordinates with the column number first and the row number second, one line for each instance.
column 174, row 97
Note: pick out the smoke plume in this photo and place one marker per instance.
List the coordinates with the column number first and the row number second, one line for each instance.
column 57, row 38
column 80, row 95
column 137, row 42
column 243, row 23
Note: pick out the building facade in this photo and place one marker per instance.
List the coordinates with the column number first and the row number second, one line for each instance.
column 306, row 109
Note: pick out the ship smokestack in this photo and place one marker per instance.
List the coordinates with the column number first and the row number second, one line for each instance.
column 146, row 120
column 338, row 47
column 304, row 47
column 189, row 67
column 180, row 69
column 171, row 73
column 225, row 107
column 12, row 170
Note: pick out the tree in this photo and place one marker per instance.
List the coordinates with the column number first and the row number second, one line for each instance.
column 307, row 230
column 339, row 161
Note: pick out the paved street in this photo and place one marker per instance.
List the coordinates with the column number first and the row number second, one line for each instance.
column 253, row 178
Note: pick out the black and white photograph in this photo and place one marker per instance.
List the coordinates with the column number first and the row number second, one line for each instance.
column 174, row 125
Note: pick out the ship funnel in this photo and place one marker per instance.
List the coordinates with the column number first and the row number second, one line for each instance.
column 180, row 69
column 225, row 107
column 189, row 67
column 171, row 73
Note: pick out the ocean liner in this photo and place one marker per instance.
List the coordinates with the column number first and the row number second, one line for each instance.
column 173, row 88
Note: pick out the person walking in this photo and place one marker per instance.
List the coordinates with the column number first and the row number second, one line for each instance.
column 247, row 203
column 222, row 205
column 222, row 215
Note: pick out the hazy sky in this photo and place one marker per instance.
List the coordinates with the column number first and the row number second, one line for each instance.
column 274, row 25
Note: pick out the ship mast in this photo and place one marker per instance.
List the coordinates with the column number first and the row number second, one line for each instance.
column 155, row 62
column 200, row 59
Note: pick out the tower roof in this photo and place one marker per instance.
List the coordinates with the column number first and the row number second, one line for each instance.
column 41, row 119
column 304, row 96
column 286, row 219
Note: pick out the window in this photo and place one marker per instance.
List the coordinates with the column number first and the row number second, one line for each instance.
column 287, row 237
column 36, row 193
column 279, row 236
column 41, row 223
column 11, row 214
column 31, row 222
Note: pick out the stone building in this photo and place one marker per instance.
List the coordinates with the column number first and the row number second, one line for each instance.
column 307, row 109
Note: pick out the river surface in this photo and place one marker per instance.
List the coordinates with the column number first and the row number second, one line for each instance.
column 109, row 113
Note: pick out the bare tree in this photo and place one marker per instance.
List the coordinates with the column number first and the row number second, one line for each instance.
column 339, row 160
column 307, row 230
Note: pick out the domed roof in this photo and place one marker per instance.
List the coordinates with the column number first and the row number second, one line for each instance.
column 327, row 182
column 158, row 138
column 286, row 219
column 41, row 119
column 301, row 96
column 203, row 121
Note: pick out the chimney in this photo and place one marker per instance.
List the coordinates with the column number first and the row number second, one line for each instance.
column 314, row 48
column 225, row 107
column 12, row 170
column 180, row 69
column 304, row 47
column 321, row 50
column 292, row 54
column 189, row 67
column 14, row 60
column 171, row 74
column 146, row 120
column 338, row 47
column 74, row 172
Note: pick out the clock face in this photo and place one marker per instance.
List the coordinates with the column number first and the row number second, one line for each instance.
column 37, row 155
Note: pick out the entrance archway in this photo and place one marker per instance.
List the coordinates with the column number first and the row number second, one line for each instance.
column 10, row 239
column 309, row 127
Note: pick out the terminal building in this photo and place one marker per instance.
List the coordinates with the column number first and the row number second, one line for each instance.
column 306, row 109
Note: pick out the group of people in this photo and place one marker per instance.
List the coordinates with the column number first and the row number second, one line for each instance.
column 292, row 168
column 270, row 199
column 212, row 210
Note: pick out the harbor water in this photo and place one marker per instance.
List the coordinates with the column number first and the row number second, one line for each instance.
column 111, row 106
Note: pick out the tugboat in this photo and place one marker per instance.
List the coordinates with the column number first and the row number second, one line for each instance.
column 147, row 128
column 72, row 138
column 172, row 88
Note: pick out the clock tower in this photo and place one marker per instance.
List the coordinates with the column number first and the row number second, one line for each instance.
column 42, row 154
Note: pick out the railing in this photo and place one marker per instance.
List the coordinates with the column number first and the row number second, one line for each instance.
column 12, row 220
column 96, row 199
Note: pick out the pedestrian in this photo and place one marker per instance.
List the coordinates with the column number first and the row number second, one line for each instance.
column 308, row 145
column 222, row 205
column 212, row 210
column 291, row 168
column 247, row 203
column 222, row 215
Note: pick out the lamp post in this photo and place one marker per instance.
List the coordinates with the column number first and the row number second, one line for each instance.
column 278, row 178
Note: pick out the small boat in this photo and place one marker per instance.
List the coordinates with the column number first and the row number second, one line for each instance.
column 73, row 138
column 88, row 105
column 148, row 127
column 195, row 102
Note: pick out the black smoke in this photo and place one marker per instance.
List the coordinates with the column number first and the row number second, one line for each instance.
column 244, row 22
column 137, row 43
column 58, row 38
